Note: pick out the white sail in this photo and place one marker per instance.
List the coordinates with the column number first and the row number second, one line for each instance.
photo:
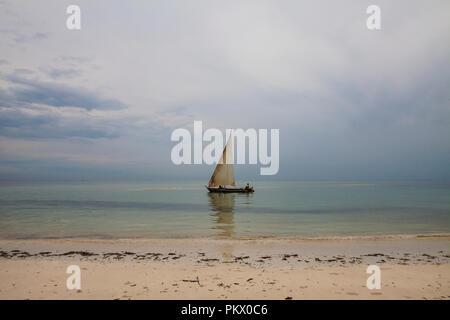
column 224, row 173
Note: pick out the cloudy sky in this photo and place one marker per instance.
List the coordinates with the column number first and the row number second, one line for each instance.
column 102, row 102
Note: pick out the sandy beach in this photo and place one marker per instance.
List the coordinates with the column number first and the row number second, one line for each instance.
column 412, row 267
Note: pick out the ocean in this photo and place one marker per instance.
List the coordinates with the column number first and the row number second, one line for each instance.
column 171, row 209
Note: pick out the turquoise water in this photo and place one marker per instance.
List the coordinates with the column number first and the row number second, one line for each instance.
column 186, row 209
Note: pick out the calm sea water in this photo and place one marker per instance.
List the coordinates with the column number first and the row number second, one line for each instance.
column 186, row 209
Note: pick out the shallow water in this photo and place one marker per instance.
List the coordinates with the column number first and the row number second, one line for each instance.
column 186, row 209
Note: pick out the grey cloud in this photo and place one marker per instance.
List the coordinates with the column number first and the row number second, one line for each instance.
column 22, row 116
column 22, row 38
column 7, row 99
column 23, row 71
column 77, row 59
column 21, row 124
column 56, row 95
column 61, row 73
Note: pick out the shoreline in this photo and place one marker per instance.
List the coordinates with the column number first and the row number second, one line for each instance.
column 240, row 238
column 413, row 249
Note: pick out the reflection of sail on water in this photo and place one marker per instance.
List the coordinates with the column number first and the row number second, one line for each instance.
column 222, row 207
column 224, row 173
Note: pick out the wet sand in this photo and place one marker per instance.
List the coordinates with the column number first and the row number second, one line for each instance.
column 412, row 267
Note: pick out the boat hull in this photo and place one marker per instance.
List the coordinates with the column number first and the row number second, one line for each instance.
column 230, row 190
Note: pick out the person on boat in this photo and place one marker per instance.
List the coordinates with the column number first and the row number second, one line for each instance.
column 247, row 187
column 220, row 187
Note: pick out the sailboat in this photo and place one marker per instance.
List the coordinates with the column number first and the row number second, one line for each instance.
column 222, row 179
